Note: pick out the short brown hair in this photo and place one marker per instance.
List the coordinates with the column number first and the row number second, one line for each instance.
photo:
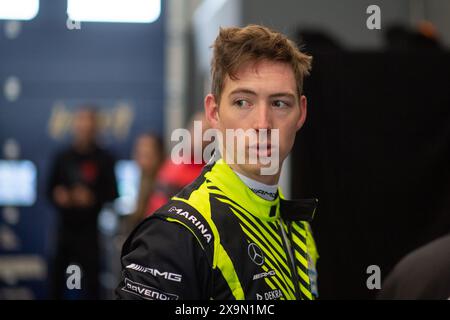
column 234, row 47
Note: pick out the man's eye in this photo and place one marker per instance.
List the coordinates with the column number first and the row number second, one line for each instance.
column 280, row 104
column 241, row 103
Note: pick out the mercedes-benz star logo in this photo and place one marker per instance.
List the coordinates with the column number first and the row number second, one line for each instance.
column 256, row 254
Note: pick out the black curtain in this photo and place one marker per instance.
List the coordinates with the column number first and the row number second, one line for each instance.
column 375, row 150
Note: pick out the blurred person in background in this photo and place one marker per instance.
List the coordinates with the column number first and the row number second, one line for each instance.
column 149, row 156
column 81, row 181
column 423, row 274
column 423, row 37
column 174, row 177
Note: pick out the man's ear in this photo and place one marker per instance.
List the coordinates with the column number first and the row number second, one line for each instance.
column 212, row 110
column 303, row 110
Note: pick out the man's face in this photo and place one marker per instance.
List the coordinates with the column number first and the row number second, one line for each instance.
column 264, row 96
column 85, row 126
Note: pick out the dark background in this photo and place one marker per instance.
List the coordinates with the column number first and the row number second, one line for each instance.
column 375, row 150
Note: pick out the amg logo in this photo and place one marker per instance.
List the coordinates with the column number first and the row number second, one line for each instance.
column 146, row 292
column 198, row 224
column 264, row 193
column 155, row 272
column 269, row 273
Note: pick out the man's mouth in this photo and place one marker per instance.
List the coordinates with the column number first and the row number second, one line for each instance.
column 262, row 149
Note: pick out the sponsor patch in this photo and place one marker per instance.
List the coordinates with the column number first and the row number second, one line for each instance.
column 312, row 273
column 270, row 295
column 197, row 223
column 155, row 272
column 146, row 292
column 261, row 275
column 255, row 253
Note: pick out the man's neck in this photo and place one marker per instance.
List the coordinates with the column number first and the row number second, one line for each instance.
column 267, row 192
column 266, row 179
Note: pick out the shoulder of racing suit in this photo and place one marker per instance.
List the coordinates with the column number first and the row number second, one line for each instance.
column 181, row 240
column 179, row 237
column 165, row 259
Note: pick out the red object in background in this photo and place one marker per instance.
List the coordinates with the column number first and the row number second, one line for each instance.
column 170, row 180
column 89, row 171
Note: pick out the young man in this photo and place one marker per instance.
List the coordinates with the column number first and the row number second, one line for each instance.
column 229, row 234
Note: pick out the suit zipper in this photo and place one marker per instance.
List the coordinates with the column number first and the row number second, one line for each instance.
column 291, row 258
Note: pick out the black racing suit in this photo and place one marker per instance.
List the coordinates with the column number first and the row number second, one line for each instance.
column 216, row 239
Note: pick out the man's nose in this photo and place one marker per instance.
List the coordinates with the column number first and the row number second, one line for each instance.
column 263, row 117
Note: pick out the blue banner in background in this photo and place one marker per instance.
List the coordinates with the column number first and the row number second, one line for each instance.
column 47, row 71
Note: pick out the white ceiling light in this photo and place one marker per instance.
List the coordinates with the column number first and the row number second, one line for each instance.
column 140, row 11
column 18, row 9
